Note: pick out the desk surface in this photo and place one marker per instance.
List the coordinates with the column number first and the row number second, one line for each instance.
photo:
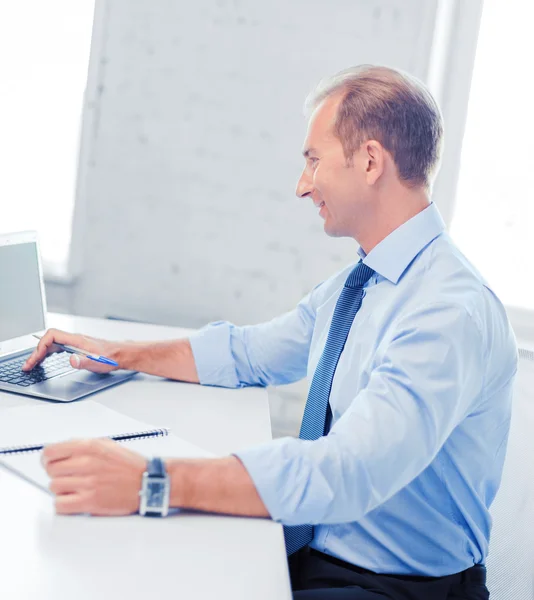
column 45, row 556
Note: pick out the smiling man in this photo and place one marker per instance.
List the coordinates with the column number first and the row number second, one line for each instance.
column 411, row 358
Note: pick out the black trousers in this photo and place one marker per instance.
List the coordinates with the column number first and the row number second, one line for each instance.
column 315, row 576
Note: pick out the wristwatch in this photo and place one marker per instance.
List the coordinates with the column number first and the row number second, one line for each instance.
column 155, row 490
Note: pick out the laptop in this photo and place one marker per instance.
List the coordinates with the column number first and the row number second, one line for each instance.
column 23, row 313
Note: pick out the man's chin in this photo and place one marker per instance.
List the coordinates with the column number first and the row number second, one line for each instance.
column 332, row 231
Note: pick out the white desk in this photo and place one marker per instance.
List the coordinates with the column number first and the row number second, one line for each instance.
column 47, row 557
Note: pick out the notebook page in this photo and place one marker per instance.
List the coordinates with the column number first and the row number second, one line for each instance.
column 48, row 423
column 29, row 466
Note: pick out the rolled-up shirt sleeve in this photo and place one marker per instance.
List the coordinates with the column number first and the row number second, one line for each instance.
column 426, row 381
column 272, row 353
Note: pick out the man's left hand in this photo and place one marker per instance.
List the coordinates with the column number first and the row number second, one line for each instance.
column 96, row 476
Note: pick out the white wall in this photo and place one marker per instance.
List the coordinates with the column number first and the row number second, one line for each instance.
column 186, row 210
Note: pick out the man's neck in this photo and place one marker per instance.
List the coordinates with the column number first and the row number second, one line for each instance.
column 389, row 215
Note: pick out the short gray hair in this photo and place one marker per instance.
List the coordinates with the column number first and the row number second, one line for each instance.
column 391, row 107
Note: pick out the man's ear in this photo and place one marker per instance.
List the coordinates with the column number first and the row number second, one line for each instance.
column 374, row 156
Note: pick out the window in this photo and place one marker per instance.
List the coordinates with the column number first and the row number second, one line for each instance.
column 44, row 56
column 494, row 216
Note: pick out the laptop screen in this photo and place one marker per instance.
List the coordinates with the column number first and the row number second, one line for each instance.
column 21, row 304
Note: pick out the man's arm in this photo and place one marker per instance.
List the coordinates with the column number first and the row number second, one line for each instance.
column 102, row 477
column 271, row 353
column 220, row 485
column 173, row 359
column 427, row 381
column 220, row 354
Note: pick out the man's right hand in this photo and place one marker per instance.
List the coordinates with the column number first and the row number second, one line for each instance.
column 47, row 346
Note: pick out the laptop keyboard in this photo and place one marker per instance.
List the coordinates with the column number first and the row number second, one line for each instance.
column 52, row 366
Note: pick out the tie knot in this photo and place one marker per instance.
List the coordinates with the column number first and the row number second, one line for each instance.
column 359, row 275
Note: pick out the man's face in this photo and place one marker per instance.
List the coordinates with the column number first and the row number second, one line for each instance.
column 336, row 188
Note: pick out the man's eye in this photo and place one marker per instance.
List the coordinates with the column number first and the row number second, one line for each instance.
column 313, row 161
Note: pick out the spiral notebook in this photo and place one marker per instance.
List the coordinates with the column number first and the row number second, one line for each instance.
column 25, row 430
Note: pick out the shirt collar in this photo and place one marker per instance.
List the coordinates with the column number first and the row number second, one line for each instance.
column 394, row 253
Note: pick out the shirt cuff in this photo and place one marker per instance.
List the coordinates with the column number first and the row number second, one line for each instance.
column 258, row 463
column 280, row 472
column 213, row 356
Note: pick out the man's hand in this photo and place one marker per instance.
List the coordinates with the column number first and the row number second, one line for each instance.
column 98, row 476
column 101, row 477
column 47, row 346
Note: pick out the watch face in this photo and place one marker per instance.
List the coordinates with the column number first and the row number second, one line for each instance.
column 156, row 494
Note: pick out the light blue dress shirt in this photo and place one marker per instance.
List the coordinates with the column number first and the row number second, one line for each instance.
column 421, row 402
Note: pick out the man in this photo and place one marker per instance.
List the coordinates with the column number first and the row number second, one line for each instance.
column 411, row 360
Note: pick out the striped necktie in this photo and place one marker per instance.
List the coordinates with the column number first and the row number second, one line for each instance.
column 317, row 413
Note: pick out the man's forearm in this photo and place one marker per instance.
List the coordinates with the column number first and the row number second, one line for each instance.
column 220, row 485
column 173, row 358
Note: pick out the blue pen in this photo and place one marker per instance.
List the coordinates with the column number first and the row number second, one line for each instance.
column 73, row 350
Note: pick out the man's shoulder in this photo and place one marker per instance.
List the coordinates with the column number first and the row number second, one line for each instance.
column 447, row 260
column 446, row 274
column 448, row 278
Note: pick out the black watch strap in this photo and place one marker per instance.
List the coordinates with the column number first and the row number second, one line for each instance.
column 156, row 467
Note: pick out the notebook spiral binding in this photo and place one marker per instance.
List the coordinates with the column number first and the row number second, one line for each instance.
column 20, row 449
column 124, row 437
column 140, row 435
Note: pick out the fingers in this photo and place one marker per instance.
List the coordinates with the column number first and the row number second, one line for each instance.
column 76, row 448
column 46, row 346
column 70, row 485
column 72, row 466
column 70, row 504
column 66, row 463
column 95, row 476
column 81, row 362
column 65, row 450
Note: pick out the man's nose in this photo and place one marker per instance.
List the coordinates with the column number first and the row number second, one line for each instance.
column 304, row 186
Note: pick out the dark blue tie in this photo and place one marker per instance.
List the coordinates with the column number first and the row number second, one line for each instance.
column 317, row 413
